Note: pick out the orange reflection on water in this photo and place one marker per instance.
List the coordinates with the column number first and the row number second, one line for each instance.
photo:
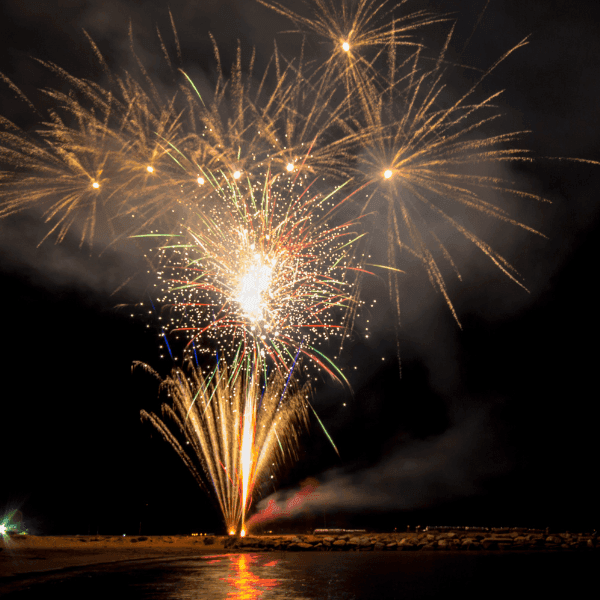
column 246, row 584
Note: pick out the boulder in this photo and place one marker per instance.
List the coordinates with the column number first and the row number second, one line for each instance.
column 339, row 543
column 300, row 546
column 379, row 546
column 391, row 546
column 406, row 544
column 553, row 539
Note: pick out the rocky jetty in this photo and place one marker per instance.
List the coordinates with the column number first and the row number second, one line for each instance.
column 428, row 540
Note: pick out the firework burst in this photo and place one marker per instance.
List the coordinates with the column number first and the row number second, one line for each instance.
column 261, row 273
column 434, row 162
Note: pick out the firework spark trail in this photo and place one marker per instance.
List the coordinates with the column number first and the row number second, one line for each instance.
column 238, row 432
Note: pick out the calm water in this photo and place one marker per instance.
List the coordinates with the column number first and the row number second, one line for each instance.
column 339, row 576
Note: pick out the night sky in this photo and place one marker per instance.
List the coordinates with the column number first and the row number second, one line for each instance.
column 492, row 424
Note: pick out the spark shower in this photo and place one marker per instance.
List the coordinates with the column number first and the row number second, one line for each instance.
column 250, row 196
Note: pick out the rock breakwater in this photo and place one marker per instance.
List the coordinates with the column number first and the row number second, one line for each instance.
column 427, row 541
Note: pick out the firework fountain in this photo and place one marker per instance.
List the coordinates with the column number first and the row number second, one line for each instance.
column 243, row 185
column 239, row 428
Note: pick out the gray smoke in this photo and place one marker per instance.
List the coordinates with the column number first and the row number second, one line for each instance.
column 419, row 474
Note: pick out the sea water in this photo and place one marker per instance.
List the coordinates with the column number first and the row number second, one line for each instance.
column 328, row 575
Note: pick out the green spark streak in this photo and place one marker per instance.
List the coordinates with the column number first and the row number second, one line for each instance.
column 384, row 267
column 337, row 189
column 159, row 235
column 195, row 88
column 278, row 352
column 331, row 363
column 279, row 441
column 352, row 242
column 335, row 264
column 174, row 148
column 252, row 195
column 210, row 178
column 325, row 430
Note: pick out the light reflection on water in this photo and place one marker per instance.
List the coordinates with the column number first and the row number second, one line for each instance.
column 326, row 576
column 225, row 576
column 245, row 584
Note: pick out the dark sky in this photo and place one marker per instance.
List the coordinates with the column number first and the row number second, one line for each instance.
column 494, row 423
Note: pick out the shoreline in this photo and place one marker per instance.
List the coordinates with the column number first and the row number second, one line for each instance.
column 26, row 556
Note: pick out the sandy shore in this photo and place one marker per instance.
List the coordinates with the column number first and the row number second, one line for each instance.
column 25, row 555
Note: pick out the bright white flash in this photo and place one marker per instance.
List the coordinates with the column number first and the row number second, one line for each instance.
column 253, row 285
column 346, row 46
column 2, row 528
